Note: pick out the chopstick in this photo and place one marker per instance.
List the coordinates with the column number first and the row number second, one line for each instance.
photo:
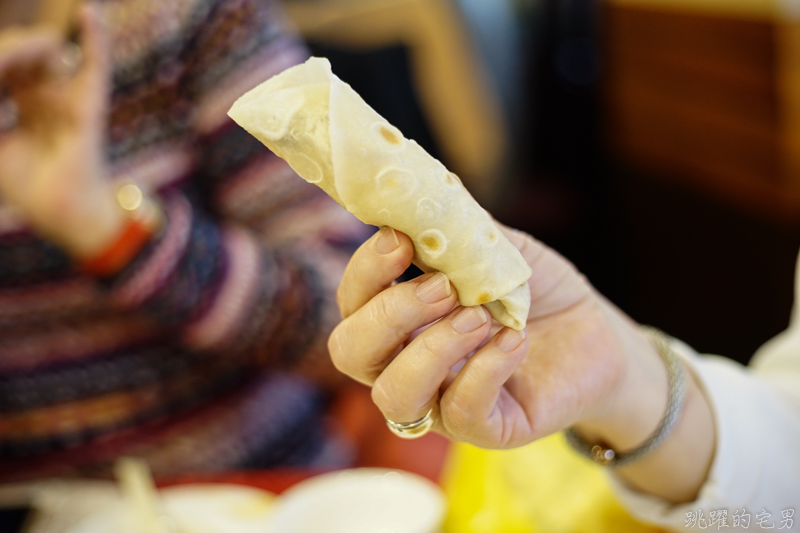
column 136, row 484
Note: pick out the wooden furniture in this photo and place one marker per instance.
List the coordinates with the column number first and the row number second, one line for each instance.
column 464, row 114
column 707, row 93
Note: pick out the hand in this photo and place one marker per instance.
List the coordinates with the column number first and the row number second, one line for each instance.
column 580, row 362
column 495, row 388
column 53, row 167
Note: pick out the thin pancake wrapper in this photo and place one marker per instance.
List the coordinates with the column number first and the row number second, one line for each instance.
column 332, row 138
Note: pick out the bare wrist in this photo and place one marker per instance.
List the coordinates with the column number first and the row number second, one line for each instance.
column 639, row 402
column 91, row 232
column 676, row 468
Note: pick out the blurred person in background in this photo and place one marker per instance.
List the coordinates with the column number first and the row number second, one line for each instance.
column 186, row 326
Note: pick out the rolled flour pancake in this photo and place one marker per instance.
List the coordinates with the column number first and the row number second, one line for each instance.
column 332, row 138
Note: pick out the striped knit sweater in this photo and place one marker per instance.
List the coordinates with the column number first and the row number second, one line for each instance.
column 186, row 357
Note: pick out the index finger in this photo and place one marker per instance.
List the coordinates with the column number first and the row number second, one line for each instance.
column 373, row 268
column 22, row 48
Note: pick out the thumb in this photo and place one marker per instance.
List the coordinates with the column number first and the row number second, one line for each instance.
column 530, row 248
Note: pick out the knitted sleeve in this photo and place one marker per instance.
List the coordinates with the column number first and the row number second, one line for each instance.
column 249, row 260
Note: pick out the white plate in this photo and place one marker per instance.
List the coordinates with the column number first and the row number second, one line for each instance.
column 196, row 508
column 362, row 500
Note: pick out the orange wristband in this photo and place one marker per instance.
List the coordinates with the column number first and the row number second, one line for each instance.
column 132, row 239
column 143, row 222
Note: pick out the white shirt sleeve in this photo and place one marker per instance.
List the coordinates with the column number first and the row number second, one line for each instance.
column 755, row 474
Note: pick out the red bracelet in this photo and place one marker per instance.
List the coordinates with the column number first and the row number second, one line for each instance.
column 114, row 258
column 143, row 221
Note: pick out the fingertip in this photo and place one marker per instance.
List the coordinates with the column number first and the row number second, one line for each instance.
column 20, row 45
column 85, row 24
column 26, row 55
column 88, row 14
column 403, row 237
column 386, row 240
column 393, row 249
column 376, row 264
column 510, row 340
column 92, row 34
column 435, row 287
column 468, row 319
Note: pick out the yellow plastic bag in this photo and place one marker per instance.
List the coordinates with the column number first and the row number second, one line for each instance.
column 544, row 487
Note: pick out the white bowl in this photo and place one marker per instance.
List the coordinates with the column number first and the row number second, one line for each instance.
column 362, row 500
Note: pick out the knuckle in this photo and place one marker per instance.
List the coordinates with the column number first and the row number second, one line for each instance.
column 383, row 399
column 348, row 286
column 386, row 311
column 426, row 343
column 354, row 268
column 394, row 406
column 336, row 351
column 456, row 417
column 340, row 299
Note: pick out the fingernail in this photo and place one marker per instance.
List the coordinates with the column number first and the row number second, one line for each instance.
column 434, row 289
column 469, row 319
column 510, row 339
column 387, row 241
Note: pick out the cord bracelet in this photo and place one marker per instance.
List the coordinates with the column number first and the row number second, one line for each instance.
column 677, row 393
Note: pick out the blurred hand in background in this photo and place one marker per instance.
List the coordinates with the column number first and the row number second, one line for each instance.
column 53, row 167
